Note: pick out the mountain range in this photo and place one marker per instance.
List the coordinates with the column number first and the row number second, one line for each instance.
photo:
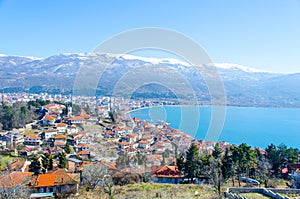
column 243, row 86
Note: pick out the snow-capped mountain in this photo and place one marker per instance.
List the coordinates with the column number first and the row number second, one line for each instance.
column 243, row 85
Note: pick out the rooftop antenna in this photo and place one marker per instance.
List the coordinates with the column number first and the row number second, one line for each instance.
column 111, row 104
column 69, row 107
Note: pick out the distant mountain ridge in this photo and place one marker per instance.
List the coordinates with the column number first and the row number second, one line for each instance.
column 244, row 86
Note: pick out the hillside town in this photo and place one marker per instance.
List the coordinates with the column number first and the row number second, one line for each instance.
column 63, row 149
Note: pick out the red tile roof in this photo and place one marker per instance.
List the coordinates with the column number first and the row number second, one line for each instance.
column 61, row 125
column 101, row 108
column 55, row 106
column 56, row 178
column 60, row 137
column 13, row 179
column 76, row 118
column 168, row 172
column 48, row 117
column 83, row 153
column 143, row 142
column 110, row 133
column 124, row 143
column 32, row 136
column 45, row 180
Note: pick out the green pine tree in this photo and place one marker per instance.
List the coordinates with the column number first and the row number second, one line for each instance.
column 180, row 162
column 62, row 160
column 47, row 162
column 217, row 153
column 35, row 165
column 191, row 166
column 67, row 148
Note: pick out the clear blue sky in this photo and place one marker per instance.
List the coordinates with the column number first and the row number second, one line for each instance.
column 263, row 34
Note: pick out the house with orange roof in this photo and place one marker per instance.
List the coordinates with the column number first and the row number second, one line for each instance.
column 56, row 182
column 48, row 120
column 160, row 138
column 32, row 140
column 61, row 138
column 61, row 127
column 149, row 137
column 144, row 144
column 13, row 179
column 110, row 134
column 54, row 108
column 102, row 111
column 129, row 151
column 76, row 120
column 168, row 174
column 123, row 145
column 82, row 147
column 59, row 144
column 119, row 131
column 131, row 138
column 84, row 154
column 12, row 182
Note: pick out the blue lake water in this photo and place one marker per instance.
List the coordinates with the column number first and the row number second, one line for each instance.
column 256, row 126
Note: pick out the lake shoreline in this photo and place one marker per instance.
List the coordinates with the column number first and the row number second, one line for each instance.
column 256, row 126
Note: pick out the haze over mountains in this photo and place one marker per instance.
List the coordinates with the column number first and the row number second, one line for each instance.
column 56, row 74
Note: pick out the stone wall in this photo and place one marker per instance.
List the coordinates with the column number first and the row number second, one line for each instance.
column 232, row 192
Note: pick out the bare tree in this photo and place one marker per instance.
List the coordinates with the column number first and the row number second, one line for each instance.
column 264, row 170
column 214, row 174
column 108, row 186
column 93, row 175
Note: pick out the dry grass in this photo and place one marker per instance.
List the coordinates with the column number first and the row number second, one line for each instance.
column 28, row 132
column 153, row 190
column 91, row 127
